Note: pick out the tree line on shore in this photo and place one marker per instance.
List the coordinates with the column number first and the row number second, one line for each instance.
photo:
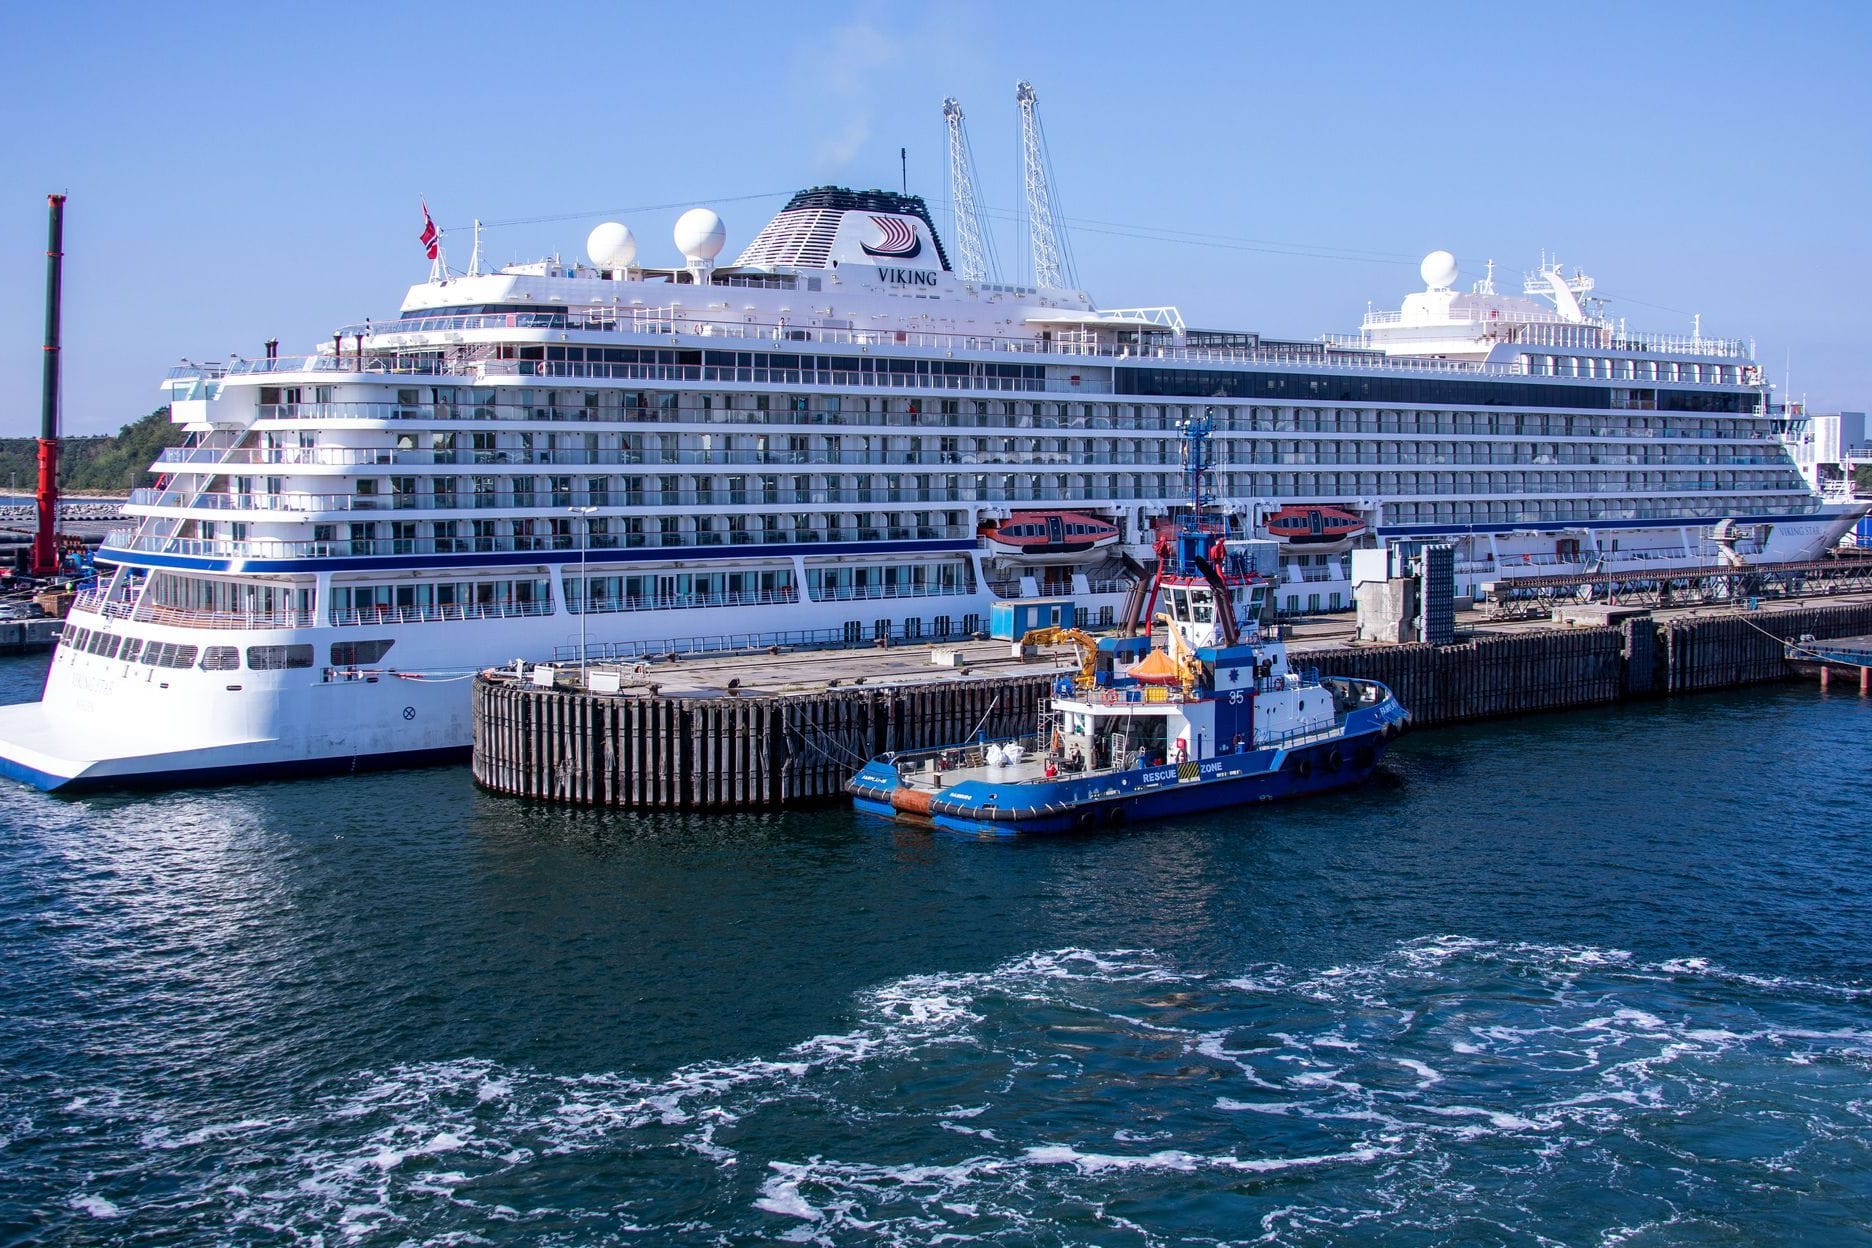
column 112, row 463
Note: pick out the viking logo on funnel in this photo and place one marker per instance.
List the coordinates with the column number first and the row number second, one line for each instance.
column 900, row 239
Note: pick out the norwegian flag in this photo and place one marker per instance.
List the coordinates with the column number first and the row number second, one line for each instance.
column 431, row 237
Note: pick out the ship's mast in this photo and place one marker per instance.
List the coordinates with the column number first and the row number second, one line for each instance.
column 973, row 247
column 1052, row 261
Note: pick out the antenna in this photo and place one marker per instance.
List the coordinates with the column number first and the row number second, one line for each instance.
column 903, row 167
column 474, row 257
column 973, row 247
column 1051, row 260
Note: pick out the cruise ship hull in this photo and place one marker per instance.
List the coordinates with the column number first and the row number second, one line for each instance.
column 105, row 722
column 102, row 725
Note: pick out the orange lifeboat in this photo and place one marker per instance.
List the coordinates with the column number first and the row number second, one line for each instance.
column 1049, row 533
column 1155, row 668
column 1306, row 524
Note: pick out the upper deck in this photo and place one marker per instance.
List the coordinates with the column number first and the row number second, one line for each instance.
column 853, row 289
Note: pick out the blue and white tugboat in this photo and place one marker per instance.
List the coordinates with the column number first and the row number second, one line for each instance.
column 1217, row 719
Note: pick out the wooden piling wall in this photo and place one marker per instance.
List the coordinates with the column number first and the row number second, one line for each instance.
column 675, row 753
column 1723, row 651
column 1489, row 676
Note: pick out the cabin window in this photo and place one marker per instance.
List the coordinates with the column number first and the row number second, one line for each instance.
column 272, row 658
column 359, row 653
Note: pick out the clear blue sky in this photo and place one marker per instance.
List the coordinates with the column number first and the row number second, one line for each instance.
column 251, row 171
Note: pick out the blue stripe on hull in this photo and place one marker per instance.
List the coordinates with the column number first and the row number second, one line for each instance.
column 499, row 559
column 1188, row 799
column 1086, row 804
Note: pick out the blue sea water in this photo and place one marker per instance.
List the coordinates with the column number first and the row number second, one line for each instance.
column 1598, row 978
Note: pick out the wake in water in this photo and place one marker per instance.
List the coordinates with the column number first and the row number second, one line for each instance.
column 1450, row 1091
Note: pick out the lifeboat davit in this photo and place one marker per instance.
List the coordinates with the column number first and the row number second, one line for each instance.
column 1311, row 524
column 1049, row 533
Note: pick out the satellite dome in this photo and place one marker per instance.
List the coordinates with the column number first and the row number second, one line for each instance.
column 1439, row 270
column 611, row 246
column 700, row 234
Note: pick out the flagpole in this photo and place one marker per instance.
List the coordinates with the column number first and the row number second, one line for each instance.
column 431, row 239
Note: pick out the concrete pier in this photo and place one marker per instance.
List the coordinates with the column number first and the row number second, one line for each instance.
column 29, row 636
column 768, row 730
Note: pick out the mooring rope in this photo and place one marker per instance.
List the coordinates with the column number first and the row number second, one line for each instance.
column 1795, row 647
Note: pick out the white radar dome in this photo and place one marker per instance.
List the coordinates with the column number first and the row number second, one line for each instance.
column 611, row 246
column 700, row 234
column 1439, row 270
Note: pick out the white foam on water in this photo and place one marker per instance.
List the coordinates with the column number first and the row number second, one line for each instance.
column 780, row 1194
column 1277, row 1108
column 1184, row 1162
column 1323, row 1079
column 163, row 1137
column 96, row 1207
column 1637, row 1018
column 1505, row 1122
column 1538, row 1054
column 958, row 1129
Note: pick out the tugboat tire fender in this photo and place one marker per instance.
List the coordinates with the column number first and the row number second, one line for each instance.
column 1303, row 768
column 1335, row 759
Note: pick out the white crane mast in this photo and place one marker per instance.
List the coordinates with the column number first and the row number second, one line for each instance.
column 1051, row 261
column 974, row 250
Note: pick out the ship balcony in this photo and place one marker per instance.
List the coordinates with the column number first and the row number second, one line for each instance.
column 294, row 456
column 436, row 612
column 586, row 370
column 865, row 593
column 1235, row 457
column 303, row 506
column 434, row 346
column 356, row 412
column 421, row 364
column 97, row 602
column 127, row 542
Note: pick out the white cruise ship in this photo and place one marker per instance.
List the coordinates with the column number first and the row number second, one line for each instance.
column 837, row 437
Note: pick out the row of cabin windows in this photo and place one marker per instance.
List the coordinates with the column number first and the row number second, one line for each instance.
column 1462, row 476
column 1349, row 411
column 130, row 649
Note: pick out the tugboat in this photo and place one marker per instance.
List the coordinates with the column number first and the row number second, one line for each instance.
column 1215, row 719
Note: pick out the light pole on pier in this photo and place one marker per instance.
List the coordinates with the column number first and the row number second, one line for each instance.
column 584, row 586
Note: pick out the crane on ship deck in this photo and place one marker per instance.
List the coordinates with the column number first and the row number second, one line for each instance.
column 1087, row 644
